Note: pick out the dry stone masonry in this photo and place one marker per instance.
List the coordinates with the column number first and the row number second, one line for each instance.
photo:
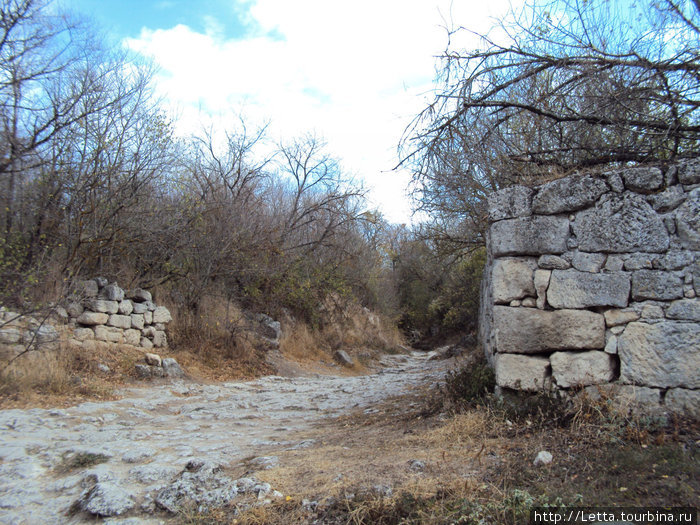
column 104, row 312
column 592, row 281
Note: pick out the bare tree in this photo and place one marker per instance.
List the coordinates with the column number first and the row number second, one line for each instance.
column 557, row 86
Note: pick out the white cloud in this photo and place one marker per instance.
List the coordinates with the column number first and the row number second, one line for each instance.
column 354, row 72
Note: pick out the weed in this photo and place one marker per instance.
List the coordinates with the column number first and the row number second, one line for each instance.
column 470, row 384
column 79, row 460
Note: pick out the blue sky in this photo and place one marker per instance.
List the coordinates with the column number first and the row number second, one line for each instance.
column 353, row 72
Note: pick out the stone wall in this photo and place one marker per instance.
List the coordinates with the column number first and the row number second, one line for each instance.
column 593, row 280
column 104, row 312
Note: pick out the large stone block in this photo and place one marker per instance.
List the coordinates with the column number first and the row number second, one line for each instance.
column 688, row 221
column 522, row 372
column 572, row 369
column 574, row 289
column 139, row 295
column 529, row 236
column 112, row 292
column 621, row 224
column 643, row 179
column 161, row 315
column 569, row 194
column 531, row 331
column 512, row 279
column 659, row 285
column 109, row 334
column 103, row 306
column 510, row 202
column 686, row 309
column 92, row 318
column 664, row 354
column 689, row 172
column 126, row 307
column 683, row 401
column 119, row 321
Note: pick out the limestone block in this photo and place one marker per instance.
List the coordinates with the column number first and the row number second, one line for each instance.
column 667, row 200
column 574, row 289
column 172, row 368
column 665, row 354
column 148, row 317
column 149, row 332
column 103, row 306
column 160, row 340
column 146, row 343
column 10, row 335
column 137, row 321
column 683, row 401
column 139, row 308
column 655, row 284
column 139, row 295
column 572, row 369
column 132, row 337
column 541, row 283
column 621, row 224
column 652, row 311
column 126, row 307
column 553, row 262
column 111, row 292
column 529, row 302
column 613, row 263
column 688, row 221
column 92, row 318
column 86, row 289
column 530, row 331
column 618, row 317
column 161, row 315
column 508, row 203
column 101, row 282
column 150, row 305
column 611, row 344
column 689, row 172
column 638, row 399
column 74, row 309
column 569, row 194
column 153, row 359
column 109, row 334
column 638, row 262
column 643, row 179
column 119, row 321
column 529, row 236
column 522, row 372
column 614, row 180
column 688, row 309
column 588, row 262
column 512, row 279
column 83, row 334
column 674, row 260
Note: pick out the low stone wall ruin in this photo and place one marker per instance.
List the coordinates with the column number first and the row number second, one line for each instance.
column 592, row 281
column 105, row 312
column 95, row 312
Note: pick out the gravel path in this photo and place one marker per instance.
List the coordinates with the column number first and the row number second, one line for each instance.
column 157, row 443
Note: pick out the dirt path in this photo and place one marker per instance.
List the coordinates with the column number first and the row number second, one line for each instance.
column 118, row 457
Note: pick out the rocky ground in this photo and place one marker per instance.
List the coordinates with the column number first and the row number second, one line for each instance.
column 162, row 448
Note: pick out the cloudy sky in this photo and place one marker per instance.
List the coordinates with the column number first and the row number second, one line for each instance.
column 353, row 72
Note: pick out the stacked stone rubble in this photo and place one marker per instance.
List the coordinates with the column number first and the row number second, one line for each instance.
column 594, row 280
column 105, row 312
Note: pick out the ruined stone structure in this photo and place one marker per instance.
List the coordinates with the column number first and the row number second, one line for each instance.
column 105, row 312
column 593, row 280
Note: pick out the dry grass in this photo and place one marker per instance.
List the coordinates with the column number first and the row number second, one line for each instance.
column 478, row 465
column 65, row 376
